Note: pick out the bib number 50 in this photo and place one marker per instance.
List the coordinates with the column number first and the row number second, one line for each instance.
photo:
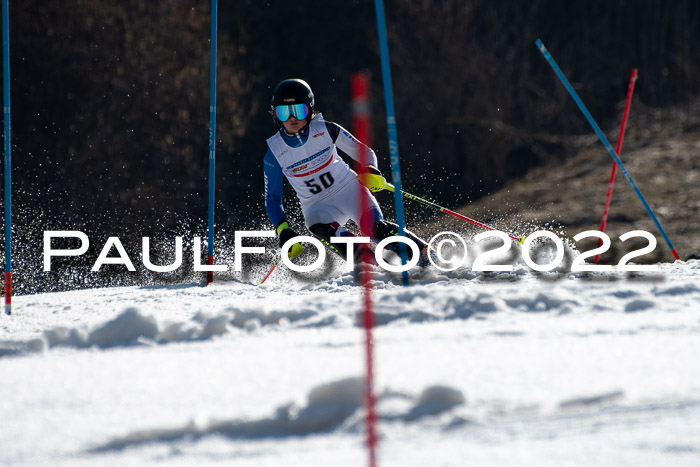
column 326, row 180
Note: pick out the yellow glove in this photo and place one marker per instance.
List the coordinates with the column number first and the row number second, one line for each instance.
column 372, row 178
column 285, row 233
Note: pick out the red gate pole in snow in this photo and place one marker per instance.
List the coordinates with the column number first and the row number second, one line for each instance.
column 630, row 90
column 361, row 128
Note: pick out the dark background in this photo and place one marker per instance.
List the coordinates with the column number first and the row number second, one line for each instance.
column 110, row 101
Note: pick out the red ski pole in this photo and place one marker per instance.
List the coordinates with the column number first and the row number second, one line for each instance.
column 630, row 90
column 390, row 187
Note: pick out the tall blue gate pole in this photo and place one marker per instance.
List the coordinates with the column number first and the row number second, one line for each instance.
column 8, row 153
column 212, row 138
column 391, row 128
column 605, row 142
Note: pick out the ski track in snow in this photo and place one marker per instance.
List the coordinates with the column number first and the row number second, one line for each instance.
column 493, row 367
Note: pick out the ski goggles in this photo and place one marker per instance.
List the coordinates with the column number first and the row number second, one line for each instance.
column 298, row 111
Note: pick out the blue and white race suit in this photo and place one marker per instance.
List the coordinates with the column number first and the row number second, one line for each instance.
column 325, row 185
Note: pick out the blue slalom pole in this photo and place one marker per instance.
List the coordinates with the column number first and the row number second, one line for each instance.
column 391, row 128
column 605, row 142
column 8, row 153
column 212, row 137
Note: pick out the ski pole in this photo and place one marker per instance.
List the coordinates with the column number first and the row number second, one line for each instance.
column 271, row 269
column 390, row 187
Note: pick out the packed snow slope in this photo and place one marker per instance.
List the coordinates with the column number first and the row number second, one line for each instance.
column 494, row 369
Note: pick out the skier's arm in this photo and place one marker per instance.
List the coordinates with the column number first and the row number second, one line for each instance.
column 366, row 166
column 350, row 145
column 273, row 203
column 273, row 189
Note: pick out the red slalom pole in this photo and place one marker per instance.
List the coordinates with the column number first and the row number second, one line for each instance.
column 359, row 83
column 630, row 90
column 272, row 268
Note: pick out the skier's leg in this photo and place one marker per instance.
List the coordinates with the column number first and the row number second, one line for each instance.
column 325, row 232
column 384, row 229
column 372, row 215
column 325, row 221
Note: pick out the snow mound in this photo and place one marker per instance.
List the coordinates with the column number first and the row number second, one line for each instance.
column 329, row 407
column 131, row 327
column 435, row 400
column 169, row 315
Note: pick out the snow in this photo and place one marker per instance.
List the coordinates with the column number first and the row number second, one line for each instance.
column 503, row 369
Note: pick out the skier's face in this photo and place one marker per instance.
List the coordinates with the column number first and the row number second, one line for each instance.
column 293, row 125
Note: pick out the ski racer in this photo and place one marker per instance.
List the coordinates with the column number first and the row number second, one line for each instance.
column 305, row 150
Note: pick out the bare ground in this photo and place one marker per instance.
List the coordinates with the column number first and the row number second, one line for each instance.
column 661, row 152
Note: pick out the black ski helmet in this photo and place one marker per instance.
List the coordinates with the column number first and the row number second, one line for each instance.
column 292, row 91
